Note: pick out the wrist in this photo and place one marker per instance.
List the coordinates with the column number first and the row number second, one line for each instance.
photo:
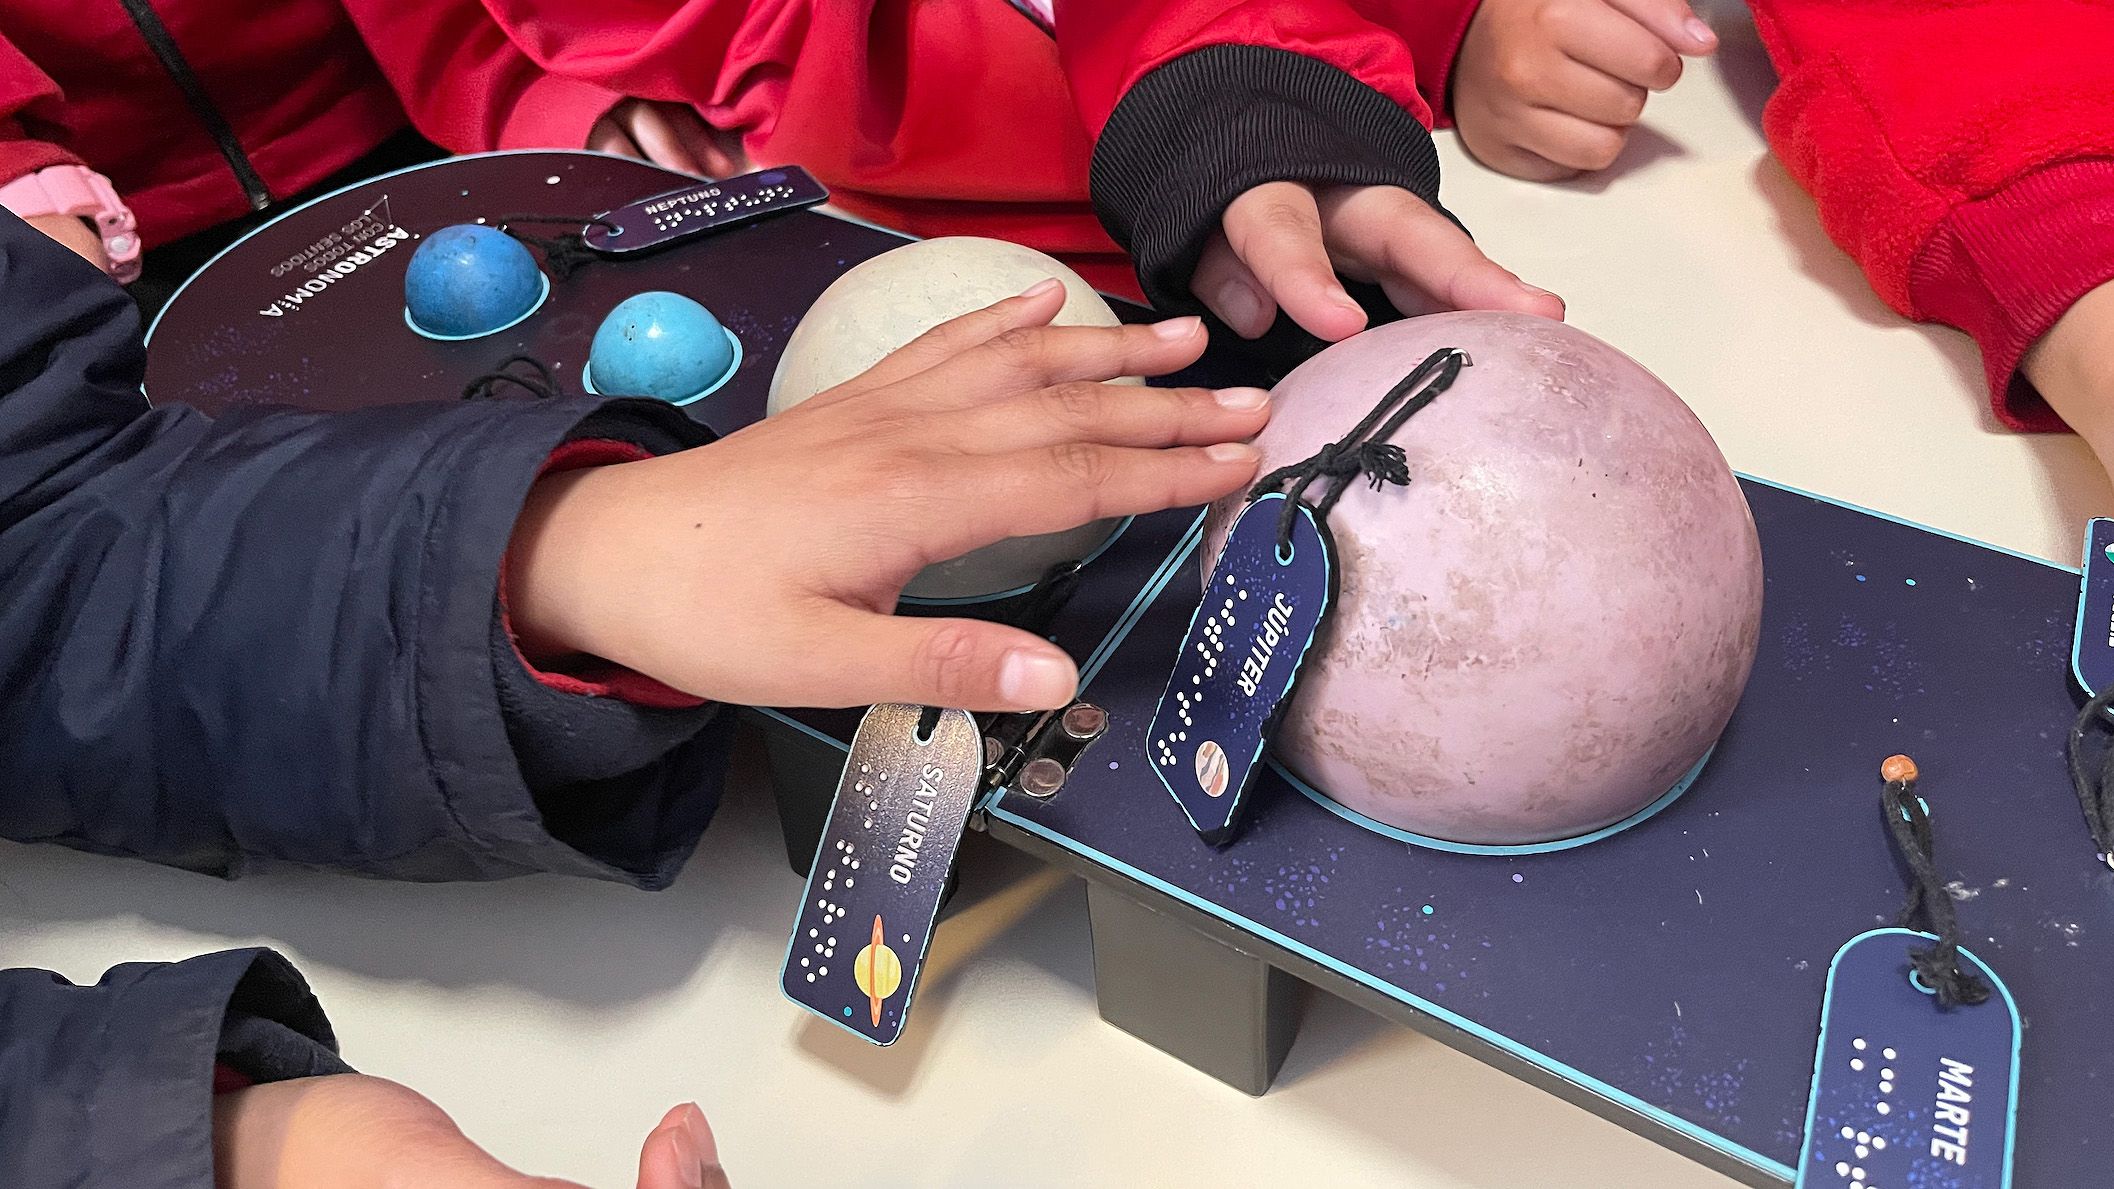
column 551, row 572
column 2073, row 367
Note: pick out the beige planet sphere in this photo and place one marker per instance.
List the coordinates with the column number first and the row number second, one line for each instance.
column 887, row 301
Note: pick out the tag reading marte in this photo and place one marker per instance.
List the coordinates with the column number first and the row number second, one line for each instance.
column 1906, row 1093
column 874, row 892
column 1239, row 662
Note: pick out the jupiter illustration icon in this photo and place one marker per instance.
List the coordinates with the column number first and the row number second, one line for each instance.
column 1211, row 768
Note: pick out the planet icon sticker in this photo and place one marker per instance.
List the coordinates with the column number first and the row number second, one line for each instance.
column 878, row 971
column 1212, row 770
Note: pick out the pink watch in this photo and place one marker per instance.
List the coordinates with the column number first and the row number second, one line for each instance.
column 77, row 190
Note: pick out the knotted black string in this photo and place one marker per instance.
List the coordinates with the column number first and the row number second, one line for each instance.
column 563, row 254
column 1930, row 907
column 2095, row 788
column 539, row 382
column 1366, row 449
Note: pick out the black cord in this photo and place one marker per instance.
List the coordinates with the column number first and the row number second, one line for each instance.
column 1930, row 906
column 564, row 254
column 2095, row 788
column 540, row 382
column 1366, row 448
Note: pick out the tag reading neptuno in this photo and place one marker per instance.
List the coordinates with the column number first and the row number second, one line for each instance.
column 676, row 215
column 2092, row 652
column 874, row 892
column 1238, row 663
column 1906, row 1093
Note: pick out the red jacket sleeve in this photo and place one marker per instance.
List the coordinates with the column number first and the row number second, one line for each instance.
column 28, row 99
column 1963, row 153
column 465, row 84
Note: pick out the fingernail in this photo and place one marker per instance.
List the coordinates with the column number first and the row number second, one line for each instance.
column 1537, row 290
column 696, row 1136
column 1231, row 452
column 1345, row 300
column 1242, row 399
column 688, row 1164
column 1174, row 330
column 1034, row 678
column 1041, row 287
column 1700, row 31
column 1240, row 307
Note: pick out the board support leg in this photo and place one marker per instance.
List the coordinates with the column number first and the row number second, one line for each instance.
column 804, row 774
column 1196, row 996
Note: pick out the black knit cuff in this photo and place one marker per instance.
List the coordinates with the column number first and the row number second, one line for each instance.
column 1198, row 132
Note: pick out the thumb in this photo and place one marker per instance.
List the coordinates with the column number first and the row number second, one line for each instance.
column 1673, row 22
column 681, row 1153
column 963, row 664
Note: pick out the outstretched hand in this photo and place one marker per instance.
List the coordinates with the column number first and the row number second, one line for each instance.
column 763, row 569
column 348, row 1131
column 1285, row 245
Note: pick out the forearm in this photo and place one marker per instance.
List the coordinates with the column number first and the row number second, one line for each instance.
column 2073, row 367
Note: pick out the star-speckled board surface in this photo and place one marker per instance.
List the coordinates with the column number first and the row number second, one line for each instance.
column 1672, row 972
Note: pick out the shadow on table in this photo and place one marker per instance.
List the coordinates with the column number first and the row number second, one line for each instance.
column 571, row 939
column 1448, row 1111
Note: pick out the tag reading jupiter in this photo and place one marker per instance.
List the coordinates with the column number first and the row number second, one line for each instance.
column 1239, row 661
column 677, row 215
column 874, row 892
column 1908, row 1095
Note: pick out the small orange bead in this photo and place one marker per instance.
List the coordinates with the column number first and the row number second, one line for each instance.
column 1897, row 768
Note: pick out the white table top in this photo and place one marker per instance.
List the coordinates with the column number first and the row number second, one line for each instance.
column 557, row 1019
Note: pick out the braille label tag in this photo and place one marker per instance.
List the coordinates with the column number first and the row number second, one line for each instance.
column 1239, row 661
column 1906, row 1094
column 2092, row 652
column 695, row 210
column 874, row 892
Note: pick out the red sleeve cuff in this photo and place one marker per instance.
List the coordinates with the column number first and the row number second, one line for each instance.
column 20, row 158
column 226, row 1080
column 2005, row 267
column 1434, row 31
column 591, row 676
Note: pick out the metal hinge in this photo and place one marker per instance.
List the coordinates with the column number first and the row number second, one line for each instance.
column 1035, row 753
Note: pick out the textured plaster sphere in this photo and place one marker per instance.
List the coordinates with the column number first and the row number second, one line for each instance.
column 659, row 344
column 887, row 301
column 1550, row 626
column 467, row 280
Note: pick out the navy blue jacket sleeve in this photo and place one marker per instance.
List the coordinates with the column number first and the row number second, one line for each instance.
column 112, row 1084
column 272, row 635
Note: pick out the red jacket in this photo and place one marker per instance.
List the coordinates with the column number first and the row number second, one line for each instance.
column 1963, row 152
column 294, row 80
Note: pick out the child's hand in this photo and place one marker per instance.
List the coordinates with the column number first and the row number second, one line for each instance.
column 74, row 233
column 762, row 569
column 671, row 135
column 1546, row 89
column 1282, row 245
column 351, row 1132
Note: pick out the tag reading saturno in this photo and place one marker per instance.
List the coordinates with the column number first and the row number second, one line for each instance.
column 874, row 892
column 677, row 215
column 1239, row 661
column 1906, row 1093
column 2092, row 652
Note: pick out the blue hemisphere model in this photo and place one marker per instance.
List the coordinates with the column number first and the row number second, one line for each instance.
column 470, row 280
column 662, row 345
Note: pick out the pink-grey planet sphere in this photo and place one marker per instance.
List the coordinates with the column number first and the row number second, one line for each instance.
column 1549, row 626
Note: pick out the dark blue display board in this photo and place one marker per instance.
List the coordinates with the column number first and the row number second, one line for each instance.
column 1674, row 971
